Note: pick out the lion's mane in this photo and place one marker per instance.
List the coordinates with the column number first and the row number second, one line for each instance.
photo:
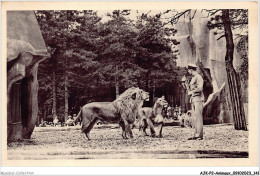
column 128, row 105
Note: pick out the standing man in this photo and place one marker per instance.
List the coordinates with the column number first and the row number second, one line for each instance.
column 197, row 98
column 55, row 120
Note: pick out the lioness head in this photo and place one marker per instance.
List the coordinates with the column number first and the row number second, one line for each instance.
column 161, row 101
column 145, row 95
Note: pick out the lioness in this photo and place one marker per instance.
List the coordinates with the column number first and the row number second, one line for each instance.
column 124, row 109
column 151, row 116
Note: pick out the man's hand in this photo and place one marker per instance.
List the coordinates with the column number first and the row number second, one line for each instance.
column 190, row 92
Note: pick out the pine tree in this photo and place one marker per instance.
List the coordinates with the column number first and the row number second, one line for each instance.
column 67, row 34
column 118, row 52
column 155, row 52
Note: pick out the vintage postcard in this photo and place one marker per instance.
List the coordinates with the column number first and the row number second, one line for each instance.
column 129, row 84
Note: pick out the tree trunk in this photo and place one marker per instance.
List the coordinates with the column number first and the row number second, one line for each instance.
column 66, row 96
column 153, row 93
column 233, row 77
column 54, row 92
column 96, row 97
column 66, row 93
column 45, row 113
column 117, row 83
column 147, row 80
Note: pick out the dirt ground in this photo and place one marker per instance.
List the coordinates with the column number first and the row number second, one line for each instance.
column 220, row 141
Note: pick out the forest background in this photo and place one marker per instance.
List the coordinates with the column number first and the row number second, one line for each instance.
column 96, row 56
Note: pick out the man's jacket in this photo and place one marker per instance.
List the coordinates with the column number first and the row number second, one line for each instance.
column 196, row 88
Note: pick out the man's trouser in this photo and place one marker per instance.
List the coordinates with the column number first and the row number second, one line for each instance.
column 197, row 108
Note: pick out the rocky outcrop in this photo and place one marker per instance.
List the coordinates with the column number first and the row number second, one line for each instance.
column 199, row 44
column 25, row 49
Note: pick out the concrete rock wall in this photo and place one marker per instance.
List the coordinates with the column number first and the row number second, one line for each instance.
column 25, row 49
column 197, row 42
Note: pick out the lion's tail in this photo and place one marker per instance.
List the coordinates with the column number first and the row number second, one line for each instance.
column 78, row 116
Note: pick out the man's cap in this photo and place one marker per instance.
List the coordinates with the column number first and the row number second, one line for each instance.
column 190, row 65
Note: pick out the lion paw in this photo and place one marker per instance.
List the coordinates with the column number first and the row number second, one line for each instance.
column 125, row 137
column 153, row 135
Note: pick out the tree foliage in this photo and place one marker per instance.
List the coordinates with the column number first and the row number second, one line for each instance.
column 101, row 56
column 239, row 25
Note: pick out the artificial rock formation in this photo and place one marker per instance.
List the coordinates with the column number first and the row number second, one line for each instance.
column 200, row 46
column 25, row 49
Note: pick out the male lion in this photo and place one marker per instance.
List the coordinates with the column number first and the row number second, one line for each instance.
column 151, row 116
column 126, row 130
column 124, row 109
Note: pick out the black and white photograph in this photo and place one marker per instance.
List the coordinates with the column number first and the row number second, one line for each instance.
column 128, row 83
